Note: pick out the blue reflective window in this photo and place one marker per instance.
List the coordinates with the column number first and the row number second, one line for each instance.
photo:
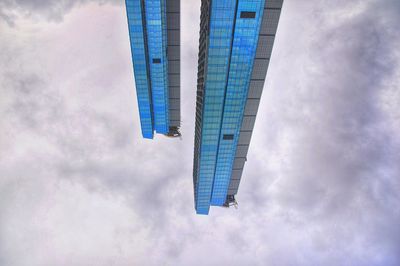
column 242, row 57
column 148, row 38
column 138, row 50
column 230, row 60
column 157, row 44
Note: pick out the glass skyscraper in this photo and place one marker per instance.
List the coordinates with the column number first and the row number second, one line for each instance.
column 236, row 39
column 154, row 32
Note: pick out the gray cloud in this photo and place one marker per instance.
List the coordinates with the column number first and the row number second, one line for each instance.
column 11, row 10
column 79, row 186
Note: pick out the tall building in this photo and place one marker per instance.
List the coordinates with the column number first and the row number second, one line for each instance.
column 236, row 39
column 154, row 32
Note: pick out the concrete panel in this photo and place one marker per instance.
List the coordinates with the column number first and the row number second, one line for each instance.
column 173, row 52
column 242, row 150
column 174, row 80
column 174, row 123
column 264, row 48
column 234, row 184
column 273, row 3
column 244, row 137
column 255, row 89
column 248, row 123
column 173, row 37
column 232, row 191
column 173, row 21
column 174, row 67
column 238, row 163
column 174, row 115
column 174, row 103
column 237, row 174
column 173, row 5
column 260, row 68
column 251, row 107
column 270, row 21
column 174, row 92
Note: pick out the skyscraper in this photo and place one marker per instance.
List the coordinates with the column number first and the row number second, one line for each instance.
column 154, row 31
column 236, row 39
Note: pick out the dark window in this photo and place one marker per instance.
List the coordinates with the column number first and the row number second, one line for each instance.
column 156, row 60
column 246, row 14
column 228, row 136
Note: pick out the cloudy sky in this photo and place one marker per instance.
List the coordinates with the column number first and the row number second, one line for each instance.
column 79, row 186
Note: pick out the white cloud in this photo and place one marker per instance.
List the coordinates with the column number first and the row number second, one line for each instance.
column 79, row 186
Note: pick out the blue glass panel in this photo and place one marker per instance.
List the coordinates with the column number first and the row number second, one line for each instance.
column 138, row 49
column 157, row 48
column 241, row 65
column 219, row 46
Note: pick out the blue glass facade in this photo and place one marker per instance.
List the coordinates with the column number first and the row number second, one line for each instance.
column 219, row 48
column 139, row 57
column 229, row 41
column 241, row 63
column 156, row 34
column 148, row 31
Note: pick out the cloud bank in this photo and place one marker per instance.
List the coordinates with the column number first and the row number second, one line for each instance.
column 78, row 185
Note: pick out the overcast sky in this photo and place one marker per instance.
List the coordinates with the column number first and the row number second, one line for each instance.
column 79, row 186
